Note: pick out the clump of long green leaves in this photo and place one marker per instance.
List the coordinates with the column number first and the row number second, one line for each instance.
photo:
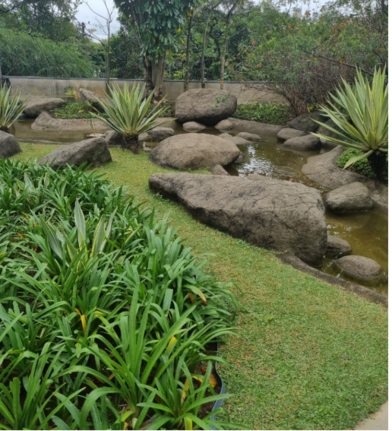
column 106, row 319
column 128, row 113
column 360, row 113
column 11, row 108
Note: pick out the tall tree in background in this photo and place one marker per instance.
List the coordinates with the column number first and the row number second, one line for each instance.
column 158, row 25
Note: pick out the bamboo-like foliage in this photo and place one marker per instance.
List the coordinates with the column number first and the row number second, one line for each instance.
column 106, row 319
column 360, row 113
column 127, row 112
column 11, row 108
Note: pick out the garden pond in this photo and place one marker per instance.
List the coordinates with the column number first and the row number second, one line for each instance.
column 367, row 233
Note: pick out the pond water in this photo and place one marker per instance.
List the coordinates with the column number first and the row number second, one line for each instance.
column 366, row 232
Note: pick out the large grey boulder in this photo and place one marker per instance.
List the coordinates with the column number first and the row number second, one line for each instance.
column 303, row 143
column 359, row 267
column 305, row 122
column 206, row 106
column 92, row 98
column 46, row 122
column 160, row 133
column 323, row 170
column 337, row 247
column 354, row 197
column 36, row 106
column 268, row 213
column 92, row 151
column 288, row 133
column 9, row 146
column 193, row 127
column 194, row 151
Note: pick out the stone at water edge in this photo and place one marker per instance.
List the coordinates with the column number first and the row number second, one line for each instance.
column 359, row 267
column 249, row 136
column 237, row 140
column 240, row 158
column 224, row 125
column 286, row 134
column 194, row 151
column 337, row 247
column 305, row 122
column 218, row 170
column 206, row 106
column 9, row 146
column 193, row 127
column 303, row 143
column 272, row 214
column 160, row 133
column 354, row 197
column 91, row 151
column 36, row 106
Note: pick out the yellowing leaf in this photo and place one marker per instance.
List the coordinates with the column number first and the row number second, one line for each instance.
column 84, row 323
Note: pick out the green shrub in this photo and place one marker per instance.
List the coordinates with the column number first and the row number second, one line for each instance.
column 265, row 113
column 363, row 166
column 106, row 318
column 73, row 110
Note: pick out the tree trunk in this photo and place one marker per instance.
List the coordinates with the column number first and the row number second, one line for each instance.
column 188, row 43
column 148, row 75
column 223, row 61
column 132, row 143
column 108, row 59
column 158, row 71
column 203, row 64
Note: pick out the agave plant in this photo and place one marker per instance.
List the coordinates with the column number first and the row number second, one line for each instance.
column 360, row 113
column 11, row 108
column 127, row 112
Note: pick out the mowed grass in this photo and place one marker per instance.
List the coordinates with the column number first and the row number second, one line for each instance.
column 306, row 355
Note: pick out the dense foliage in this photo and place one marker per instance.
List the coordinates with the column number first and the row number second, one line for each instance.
column 106, row 319
column 266, row 113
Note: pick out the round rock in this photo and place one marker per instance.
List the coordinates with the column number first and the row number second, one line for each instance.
column 249, row 136
column 303, row 143
column 305, row 122
column 193, row 127
column 224, row 125
column 337, row 247
column 359, row 267
column 9, row 146
column 160, row 133
column 286, row 134
column 194, row 151
column 354, row 197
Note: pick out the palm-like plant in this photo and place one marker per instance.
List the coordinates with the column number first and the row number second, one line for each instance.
column 360, row 113
column 127, row 112
column 11, row 108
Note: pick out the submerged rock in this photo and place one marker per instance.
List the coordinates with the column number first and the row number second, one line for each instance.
column 249, row 136
column 237, row 140
column 205, row 105
column 337, row 247
column 9, row 146
column 194, row 151
column 193, row 127
column 286, row 134
column 268, row 213
column 303, row 143
column 92, row 151
column 359, row 267
column 354, row 197
column 36, row 106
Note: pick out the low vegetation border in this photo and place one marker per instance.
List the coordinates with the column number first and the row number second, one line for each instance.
column 305, row 355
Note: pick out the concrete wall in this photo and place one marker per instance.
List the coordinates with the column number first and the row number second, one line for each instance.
column 56, row 87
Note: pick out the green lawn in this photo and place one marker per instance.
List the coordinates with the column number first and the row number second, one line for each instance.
column 306, row 355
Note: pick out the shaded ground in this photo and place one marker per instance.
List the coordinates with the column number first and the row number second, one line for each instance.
column 306, row 355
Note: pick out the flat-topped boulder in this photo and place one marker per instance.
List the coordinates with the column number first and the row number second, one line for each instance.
column 92, row 98
column 193, row 127
column 206, row 106
column 305, row 122
column 354, row 197
column 288, row 133
column 36, row 105
column 359, row 267
column 268, row 213
column 94, row 152
column 45, row 121
column 9, row 146
column 303, row 143
column 194, row 151
column 337, row 247
column 160, row 133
